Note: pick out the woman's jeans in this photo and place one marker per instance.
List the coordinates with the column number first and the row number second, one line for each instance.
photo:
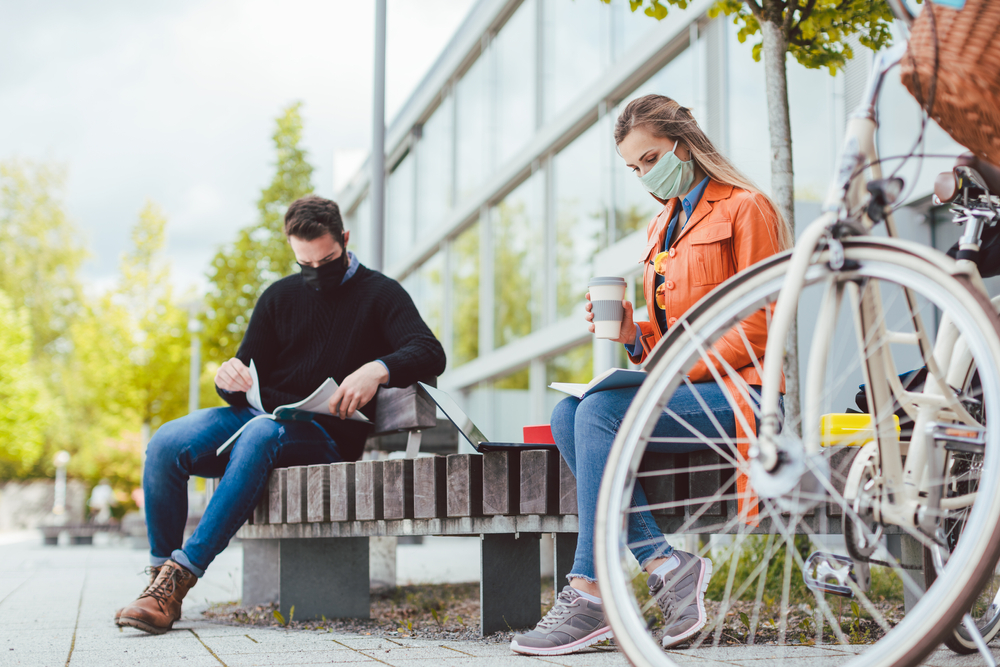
column 186, row 447
column 584, row 431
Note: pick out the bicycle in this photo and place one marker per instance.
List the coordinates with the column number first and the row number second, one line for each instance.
column 912, row 469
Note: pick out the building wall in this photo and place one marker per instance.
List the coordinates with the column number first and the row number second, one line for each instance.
column 505, row 193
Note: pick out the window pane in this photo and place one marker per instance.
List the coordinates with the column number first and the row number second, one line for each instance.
column 465, row 296
column 471, row 109
column 399, row 212
column 629, row 27
column 575, row 365
column 580, row 219
column 575, row 52
column 359, row 224
column 511, row 406
column 634, row 206
column 514, row 54
column 426, row 289
column 749, row 138
column 434, row 152
column 517, row 260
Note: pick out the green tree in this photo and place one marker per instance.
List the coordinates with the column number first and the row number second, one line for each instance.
column 815, row 33
column 24, row 417
column 240, row 272
column 130, row 361
column 40, row 252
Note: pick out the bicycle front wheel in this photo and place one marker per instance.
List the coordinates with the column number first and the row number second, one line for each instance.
column 688, row 473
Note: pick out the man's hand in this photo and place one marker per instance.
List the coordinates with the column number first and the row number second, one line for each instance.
column 627, row 334
column 233, row 375
column 357, row 389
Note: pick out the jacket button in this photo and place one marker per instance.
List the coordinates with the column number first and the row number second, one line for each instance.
column 672, row 252
column 670, row 284
column 671, row 321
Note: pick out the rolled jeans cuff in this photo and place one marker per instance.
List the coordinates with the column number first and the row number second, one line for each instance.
column 157, row 561
column 667, row 553
column 181, row 559
column 571, row 576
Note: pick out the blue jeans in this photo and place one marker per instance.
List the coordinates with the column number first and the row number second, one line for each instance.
column 186, row 447
column 584, row 431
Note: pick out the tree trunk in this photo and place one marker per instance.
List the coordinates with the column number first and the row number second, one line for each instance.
column 775, row 48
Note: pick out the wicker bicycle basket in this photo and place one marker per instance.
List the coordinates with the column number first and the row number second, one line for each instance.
column 963, row 69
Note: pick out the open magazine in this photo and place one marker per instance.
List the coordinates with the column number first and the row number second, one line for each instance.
column 315, row 403
column 615, row 378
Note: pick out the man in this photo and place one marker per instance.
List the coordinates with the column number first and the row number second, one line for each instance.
column 336, row 319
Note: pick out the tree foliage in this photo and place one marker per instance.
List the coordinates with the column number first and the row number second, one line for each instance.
column 24, row 406
column 240, row 272
column 815, row 31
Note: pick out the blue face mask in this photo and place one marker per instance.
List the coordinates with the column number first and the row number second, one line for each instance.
column 670, row 177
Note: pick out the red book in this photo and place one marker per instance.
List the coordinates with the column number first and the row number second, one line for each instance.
column 538, row 435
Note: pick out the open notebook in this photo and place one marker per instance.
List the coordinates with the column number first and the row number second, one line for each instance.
column 468, row 429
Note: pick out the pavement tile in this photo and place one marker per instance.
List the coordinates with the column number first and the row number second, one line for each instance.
column 392, row 655
column 251, row 643
column 947, row 658
column 366, row 643
column 295, row 658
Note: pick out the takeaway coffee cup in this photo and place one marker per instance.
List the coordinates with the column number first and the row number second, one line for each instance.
column 606, row 294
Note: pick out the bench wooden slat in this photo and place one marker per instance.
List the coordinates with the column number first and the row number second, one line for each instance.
column 430, row 487
column 501, row 483
column 397, row 488
column 660, row 488
column 342, row 507
column 276, row 496
column 368, row 490
column 567, row 488
column 318, row 493
column 295, row 493
column 465, row 485
column 539, row 481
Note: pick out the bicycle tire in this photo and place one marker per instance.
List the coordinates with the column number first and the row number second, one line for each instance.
column 906, row 642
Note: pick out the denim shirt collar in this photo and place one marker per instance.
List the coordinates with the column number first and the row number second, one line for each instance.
column 352, row 267
column 691, row 200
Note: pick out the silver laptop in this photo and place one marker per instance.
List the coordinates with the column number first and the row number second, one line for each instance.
column 468, row 429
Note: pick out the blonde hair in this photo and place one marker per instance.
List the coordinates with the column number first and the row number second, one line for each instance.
column 667, row 119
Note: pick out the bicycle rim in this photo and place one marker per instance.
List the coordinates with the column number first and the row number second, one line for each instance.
column 757, row 594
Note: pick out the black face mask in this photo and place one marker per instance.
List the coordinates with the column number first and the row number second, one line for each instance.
column 327, row 277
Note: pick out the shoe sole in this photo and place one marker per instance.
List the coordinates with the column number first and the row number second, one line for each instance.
column 142, row 625
column 706, row 577
column 578, row 645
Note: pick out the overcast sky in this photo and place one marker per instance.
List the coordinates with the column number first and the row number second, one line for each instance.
column 175, row 101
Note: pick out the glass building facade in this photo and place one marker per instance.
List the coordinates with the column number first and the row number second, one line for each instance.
column 505, row 192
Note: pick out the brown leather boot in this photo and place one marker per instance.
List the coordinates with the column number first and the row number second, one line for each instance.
column 160, row 604
column 152, row 571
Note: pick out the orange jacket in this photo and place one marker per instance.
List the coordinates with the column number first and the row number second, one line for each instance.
column 729, row 230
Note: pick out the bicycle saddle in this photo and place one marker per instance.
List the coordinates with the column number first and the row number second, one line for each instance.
column 980, row 173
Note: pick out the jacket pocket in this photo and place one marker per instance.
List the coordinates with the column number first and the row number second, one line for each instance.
column 710, row 245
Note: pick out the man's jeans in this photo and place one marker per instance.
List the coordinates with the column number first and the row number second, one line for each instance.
column 584, row 431
column 186, row 447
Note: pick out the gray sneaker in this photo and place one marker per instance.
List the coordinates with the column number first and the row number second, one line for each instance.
column 681, row 597
column 572, row 624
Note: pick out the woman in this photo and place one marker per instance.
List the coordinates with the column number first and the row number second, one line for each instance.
column 714, row 223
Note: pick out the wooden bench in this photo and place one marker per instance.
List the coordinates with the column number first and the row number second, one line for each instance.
column 79, row 533
column 307, row 542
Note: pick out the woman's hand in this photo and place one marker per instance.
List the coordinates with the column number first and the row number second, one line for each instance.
column 626, row 335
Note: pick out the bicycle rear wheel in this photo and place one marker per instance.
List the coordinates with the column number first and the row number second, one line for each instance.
column 758, row 595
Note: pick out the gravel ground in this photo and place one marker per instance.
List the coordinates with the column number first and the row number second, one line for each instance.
column 434, row 611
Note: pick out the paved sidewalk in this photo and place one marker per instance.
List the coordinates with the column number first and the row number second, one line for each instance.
column 56, row 607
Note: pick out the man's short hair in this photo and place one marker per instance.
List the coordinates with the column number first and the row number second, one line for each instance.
column 312, row 216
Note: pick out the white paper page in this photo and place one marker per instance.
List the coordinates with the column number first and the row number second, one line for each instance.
column 319, row 401
column 571, row 388
column 253, row 395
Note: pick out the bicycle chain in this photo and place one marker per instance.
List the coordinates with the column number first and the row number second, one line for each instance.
column 883, row 563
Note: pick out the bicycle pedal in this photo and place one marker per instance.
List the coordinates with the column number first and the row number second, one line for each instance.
column 959, row 437
column 831, row 573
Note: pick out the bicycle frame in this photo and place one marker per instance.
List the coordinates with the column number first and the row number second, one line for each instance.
column 901, row 503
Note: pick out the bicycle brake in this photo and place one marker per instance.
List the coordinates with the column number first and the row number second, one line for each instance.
column 831, row 573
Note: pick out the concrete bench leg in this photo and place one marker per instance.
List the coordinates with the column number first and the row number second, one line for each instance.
column 318, row 576
column 909, row 552
column 510, row 588
column 565, row 554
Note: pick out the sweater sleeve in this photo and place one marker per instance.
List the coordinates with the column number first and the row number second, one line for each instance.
column 416, row 353
column 257, row 344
